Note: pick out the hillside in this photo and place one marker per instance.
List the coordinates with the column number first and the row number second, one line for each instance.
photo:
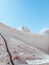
column 18, row 47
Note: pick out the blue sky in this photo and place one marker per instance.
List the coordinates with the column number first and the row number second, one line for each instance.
column 31, row 13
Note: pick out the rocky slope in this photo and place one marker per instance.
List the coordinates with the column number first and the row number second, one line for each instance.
column 17, row 47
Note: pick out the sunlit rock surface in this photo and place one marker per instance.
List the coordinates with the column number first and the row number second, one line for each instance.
column 24, row 47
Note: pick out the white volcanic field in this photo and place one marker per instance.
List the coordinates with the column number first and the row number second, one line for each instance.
column 23, row 47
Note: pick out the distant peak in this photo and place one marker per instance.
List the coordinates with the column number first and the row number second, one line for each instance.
column 24, row 29
column 2, row 24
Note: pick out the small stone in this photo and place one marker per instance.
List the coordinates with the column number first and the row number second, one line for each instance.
column 15, row 57
column 8, row 62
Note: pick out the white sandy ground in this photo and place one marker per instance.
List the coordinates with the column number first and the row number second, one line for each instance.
column 22, row 43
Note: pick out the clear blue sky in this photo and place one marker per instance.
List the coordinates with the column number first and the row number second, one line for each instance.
column 31, row 13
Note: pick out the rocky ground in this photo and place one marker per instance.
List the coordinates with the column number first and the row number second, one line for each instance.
column 14, row 50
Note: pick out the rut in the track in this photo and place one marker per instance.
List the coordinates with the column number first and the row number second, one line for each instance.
column 7, row 49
